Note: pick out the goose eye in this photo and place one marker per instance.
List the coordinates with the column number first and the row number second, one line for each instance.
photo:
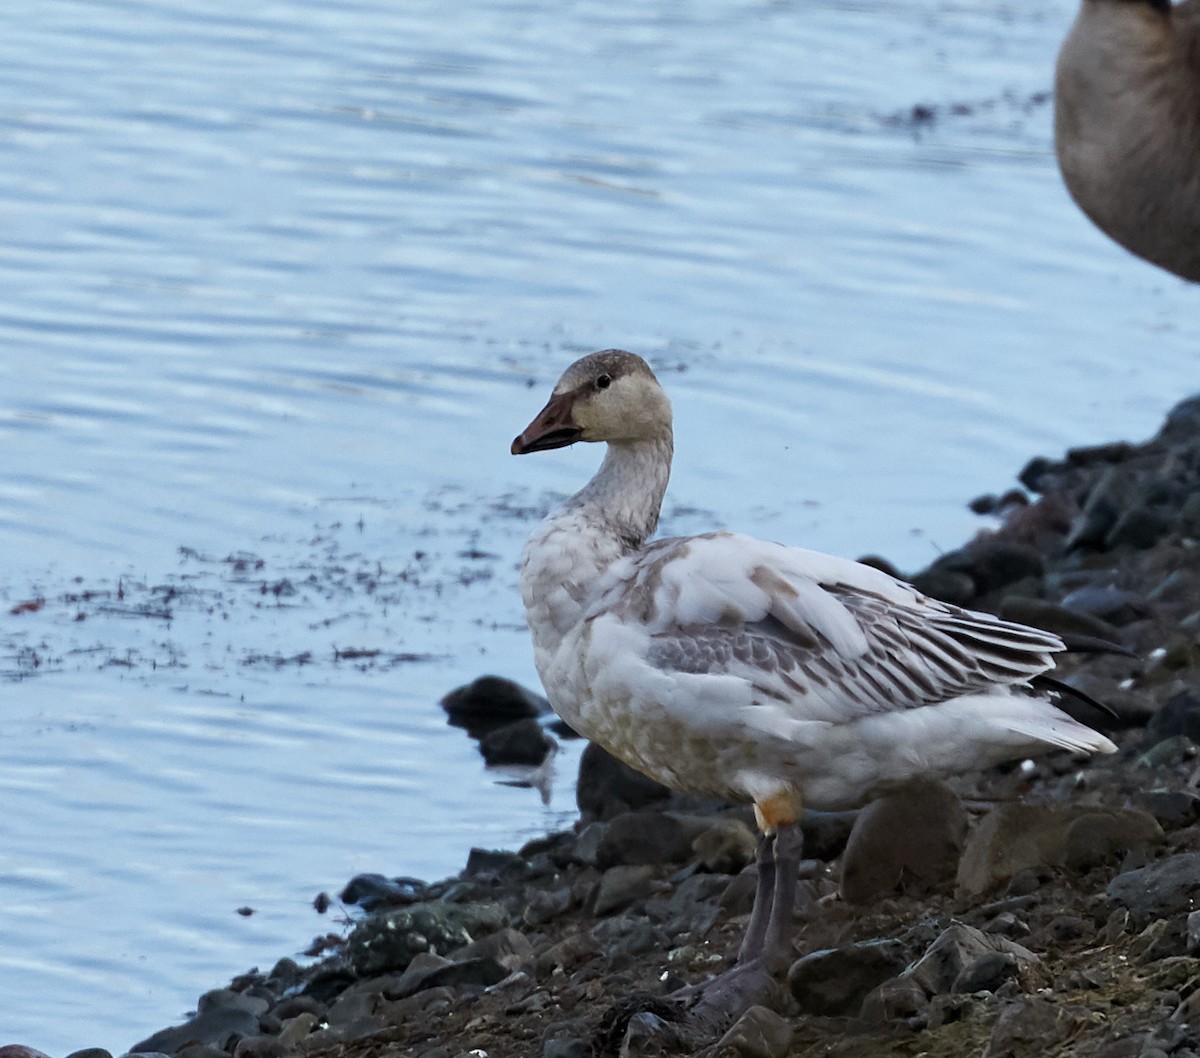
column 604, row 381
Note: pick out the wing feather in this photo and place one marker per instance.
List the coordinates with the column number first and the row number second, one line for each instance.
column 832, row 638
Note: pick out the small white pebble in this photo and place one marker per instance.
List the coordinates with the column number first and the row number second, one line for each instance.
column 1156, row 653
column 1028, row 767
column 1126, row 683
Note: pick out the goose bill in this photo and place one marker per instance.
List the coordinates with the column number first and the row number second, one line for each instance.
column 552, row 427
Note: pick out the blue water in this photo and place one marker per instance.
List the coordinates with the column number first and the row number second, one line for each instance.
column 282, row 282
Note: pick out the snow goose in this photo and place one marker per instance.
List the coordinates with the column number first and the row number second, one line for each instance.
column 730, row 667
column 1127, row 125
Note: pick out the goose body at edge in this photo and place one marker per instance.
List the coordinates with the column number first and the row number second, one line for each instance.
column 1127, row 125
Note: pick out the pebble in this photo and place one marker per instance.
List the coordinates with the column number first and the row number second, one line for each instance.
column 909, row 841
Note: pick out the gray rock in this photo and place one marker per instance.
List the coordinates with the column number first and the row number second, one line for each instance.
column 1172, row 808
column 219, row 1026
column 1179, row 715
column 1168, row 887
column 909, row 841
column 86, row 1052
column 725, row 846
column 645, row 838
column 297, row 1028
column 262, row 1047
column 621, row 886
column 567, row 1047
column 608, row 787
column 758, row 1033
column 1094, row 838
column 1139, row 526
column 389, row 940
column 417, row 974
column 835, row 981
column 1029, row 1026
column 826, row 833
column 958, row 948
column 1015, row 838
column 1193, row 932
column 987, row 973
column 508, row 947
column 544, row 906
column 566, row 954
column 896, row 999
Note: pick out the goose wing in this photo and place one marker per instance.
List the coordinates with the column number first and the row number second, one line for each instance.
column 822, row 638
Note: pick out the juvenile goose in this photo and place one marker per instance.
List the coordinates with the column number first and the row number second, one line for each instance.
column 730, row 667
column 1127, row 125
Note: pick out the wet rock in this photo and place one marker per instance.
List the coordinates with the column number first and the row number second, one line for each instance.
column 758, row 1033
column 958, row 949
column 1193, row 932
column 621, row 886
column 909, row 842
column 489, row 702
column 1168, row 887
column 218, row 1026
column 609, row 787
column 521, row 742
column 1030, row 1026
column 86, row 1052
column 297, row 1028
column 371, row 891
column 389, row 940
column 835, row 981
column 18, row 1050
column 495, row 865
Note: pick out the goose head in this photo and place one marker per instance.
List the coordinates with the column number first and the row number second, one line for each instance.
column 609, row 396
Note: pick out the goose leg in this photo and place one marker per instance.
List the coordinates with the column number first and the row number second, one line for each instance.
column 767, row 942
column 764, row 896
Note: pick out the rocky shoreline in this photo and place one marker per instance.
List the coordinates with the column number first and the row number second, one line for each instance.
column 1050, row 908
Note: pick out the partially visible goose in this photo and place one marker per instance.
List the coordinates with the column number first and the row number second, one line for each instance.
column 1127, row 125
column 730, row 667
